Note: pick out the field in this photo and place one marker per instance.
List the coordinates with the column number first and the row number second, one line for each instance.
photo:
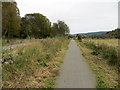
column 109, row 42
column 101, row 54
column 108, row 50
column 35, row 65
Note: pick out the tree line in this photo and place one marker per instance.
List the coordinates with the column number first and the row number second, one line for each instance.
column 33, row 25
column 114, row 34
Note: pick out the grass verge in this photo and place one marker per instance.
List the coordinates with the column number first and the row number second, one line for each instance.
column 106, row 74
column 108, row 52
column 35, row 65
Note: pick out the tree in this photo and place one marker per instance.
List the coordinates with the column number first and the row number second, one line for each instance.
column 26, row 29
column 36, row 25
column 63, row 28
column 79, row 37
column 10, row 19
column 60, row 28
column 55, row 29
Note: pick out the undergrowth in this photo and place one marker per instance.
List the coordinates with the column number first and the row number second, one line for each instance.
column 107, row 52
column 106, row 74
column 21, row 63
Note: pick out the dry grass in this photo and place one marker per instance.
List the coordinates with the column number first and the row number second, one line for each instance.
column 109, row 42
column 103, row 47
column 107, row 76
column 35, row 65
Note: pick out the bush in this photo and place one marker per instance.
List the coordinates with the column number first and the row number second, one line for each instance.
column 109, row 53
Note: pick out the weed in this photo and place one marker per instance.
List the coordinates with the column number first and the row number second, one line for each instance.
column 106, row 74
column 107, row 52
column 43, row 63
column 101, row 82
column 28, row 59
column 50, row 83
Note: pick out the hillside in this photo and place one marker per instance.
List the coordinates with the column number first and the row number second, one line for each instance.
column 114, row 33
column 92, row 33
column 110, row 34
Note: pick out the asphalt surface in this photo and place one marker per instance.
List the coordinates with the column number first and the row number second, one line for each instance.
column 75, row 72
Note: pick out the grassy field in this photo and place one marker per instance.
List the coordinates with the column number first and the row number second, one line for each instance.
column 35, row 65
column 109, row 42
column 108, row 50
column 101, row 54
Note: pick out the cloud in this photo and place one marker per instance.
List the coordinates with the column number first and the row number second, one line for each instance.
column 80, row 15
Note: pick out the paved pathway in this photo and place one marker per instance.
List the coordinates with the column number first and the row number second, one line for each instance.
column 75, row 72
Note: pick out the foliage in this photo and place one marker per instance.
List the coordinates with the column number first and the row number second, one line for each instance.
column 23, row 62
column 70, row 36
column 79, row 37
column 35, row 25
column 107, row 52
column 106, row 75
column 60, row 28
column 10, row 19
column 114, row 34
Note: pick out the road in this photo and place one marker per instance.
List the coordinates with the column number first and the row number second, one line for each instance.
column 75, row 72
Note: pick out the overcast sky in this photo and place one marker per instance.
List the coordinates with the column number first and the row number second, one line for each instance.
column 80, row 15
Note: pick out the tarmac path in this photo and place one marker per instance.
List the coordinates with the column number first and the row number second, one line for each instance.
column 75, row 72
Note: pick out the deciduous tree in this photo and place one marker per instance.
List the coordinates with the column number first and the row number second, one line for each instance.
column 10, row 19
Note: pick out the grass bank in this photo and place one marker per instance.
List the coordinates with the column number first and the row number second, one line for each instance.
column 108, row 42
column 106, row 73
column 104, row 48
column 35, row 65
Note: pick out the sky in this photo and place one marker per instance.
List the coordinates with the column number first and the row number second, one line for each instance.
column 81, row 16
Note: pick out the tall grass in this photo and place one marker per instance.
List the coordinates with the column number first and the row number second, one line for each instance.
column 105, row 50
column 108, row 42
column 106, row 74
column 22, row 62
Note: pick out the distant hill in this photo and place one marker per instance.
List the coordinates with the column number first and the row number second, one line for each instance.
column 102, row 34
column 114, row 33
column 93, row 33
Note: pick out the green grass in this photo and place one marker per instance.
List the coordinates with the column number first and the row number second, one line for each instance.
column 101, row 82
column 50, row 83
column 24, row 61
